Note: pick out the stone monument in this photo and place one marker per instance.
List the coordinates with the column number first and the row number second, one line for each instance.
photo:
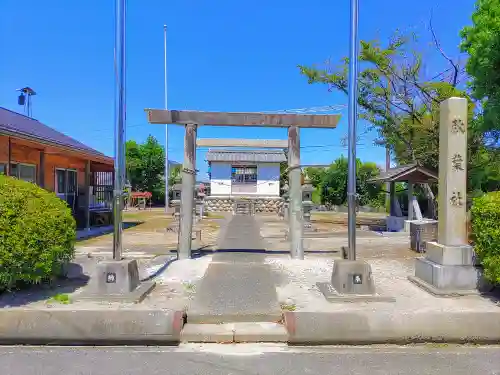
column 448, row 267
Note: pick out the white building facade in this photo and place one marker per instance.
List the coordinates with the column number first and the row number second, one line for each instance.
column 252, row 174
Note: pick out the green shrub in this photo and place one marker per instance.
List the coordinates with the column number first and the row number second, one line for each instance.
column 486, row 233
column 37, row 233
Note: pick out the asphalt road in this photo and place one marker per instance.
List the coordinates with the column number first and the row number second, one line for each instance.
column 249, row 359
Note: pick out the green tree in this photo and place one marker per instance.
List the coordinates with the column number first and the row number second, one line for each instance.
column 368, row 194
column 402, row 104
column 174, row 175
column 146, row 167
column 314, row 175
column 284, row 171
column 482, row 42
column 334, row 183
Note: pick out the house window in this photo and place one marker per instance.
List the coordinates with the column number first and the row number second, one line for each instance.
column 244, row 174
column 3, row 168
column 25, row 172
column 67, row 185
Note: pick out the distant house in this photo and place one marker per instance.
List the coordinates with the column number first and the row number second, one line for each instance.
column 253, row 173
column 78, row 174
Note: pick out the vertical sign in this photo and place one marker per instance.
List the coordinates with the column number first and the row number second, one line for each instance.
column 452, row 172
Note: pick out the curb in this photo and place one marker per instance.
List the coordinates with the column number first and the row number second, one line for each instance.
column 90, row 327
column 368, row 327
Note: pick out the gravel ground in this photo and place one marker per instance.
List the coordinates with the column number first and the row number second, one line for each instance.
column 298, row 279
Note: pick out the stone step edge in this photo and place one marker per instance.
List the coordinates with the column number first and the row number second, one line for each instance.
column 202, row 317
column 234, row 332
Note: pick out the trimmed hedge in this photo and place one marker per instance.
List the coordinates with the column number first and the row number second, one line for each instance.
column 37, row 234
column 486, row 234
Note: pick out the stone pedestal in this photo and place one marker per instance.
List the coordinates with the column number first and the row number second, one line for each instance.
column 421, row 233
column 448, row 268
column 351, row 281
column 395, row 223
column 117, row 280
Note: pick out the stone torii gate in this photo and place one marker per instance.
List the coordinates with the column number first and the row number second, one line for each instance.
column 192, row 119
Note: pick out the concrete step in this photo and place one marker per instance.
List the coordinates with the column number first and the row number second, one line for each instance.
column 234, row 332
column 196, row 316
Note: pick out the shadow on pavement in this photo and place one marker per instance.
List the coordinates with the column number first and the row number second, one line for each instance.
column 26, row 294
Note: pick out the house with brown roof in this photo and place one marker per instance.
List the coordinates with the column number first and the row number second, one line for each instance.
column 78, row 174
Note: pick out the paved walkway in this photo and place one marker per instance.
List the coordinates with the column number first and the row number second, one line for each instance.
column 242, row 232
column 237, row 287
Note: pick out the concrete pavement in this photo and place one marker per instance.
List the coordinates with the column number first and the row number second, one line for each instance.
column 250, row 359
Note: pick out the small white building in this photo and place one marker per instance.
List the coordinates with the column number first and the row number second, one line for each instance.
column 250, row 174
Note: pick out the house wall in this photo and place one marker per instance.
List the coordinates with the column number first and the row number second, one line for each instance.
column 267, row 180
column 29, row 153
column 220, row 179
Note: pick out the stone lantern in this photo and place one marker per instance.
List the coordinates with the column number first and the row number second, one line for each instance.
column 286, row 199
column 176, row 198
column 307, row 204
column 199, row 196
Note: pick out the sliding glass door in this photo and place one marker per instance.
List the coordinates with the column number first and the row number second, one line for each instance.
column 67, row 185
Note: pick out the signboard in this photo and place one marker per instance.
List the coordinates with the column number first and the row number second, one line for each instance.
column 111, row 278
column 357, row 279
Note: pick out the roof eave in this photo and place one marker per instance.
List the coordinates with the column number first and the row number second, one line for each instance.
column 32, row 138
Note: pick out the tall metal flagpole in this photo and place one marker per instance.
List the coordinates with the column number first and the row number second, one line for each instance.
column 166, row 125
column 119, row 127
column 352, row 119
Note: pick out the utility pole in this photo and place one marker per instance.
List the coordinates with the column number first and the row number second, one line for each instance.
column 352, row 121
column 120, row 120
column 388, row 152
column 166, row 125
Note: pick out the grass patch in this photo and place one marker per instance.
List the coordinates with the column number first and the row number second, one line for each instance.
column 212, row 215
column 60, row 298
column 288, row 306
column 436, row 345
column 191, row 288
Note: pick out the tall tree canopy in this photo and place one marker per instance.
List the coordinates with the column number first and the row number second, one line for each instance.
column 482, row 42
column 331, row 183
column 401, row 103
column 146, row 167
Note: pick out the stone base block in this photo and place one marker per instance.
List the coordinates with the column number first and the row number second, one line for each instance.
column 352, row 277
column 331, row 295
column 462, row 255
column 395, row 223
column 445, row 280
column 117, row 280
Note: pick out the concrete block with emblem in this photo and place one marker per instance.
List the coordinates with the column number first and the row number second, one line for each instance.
column 352, row 277
column 117, row 280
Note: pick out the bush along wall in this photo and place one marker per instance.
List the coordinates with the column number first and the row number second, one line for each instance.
column 37, row 234
column 485, row 215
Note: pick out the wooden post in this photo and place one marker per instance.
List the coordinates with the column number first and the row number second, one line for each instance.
column 41, row 170
column 392, row 199
column 410, row 200
column 87, row 195
column 187, row 192
column 388, row 184
column 9, row 156
column 294, row 176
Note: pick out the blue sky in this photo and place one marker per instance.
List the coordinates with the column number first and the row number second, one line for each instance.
column 222, row 56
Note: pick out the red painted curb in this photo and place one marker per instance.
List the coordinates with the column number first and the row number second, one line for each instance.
column 290, row 321
column 178, row 322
